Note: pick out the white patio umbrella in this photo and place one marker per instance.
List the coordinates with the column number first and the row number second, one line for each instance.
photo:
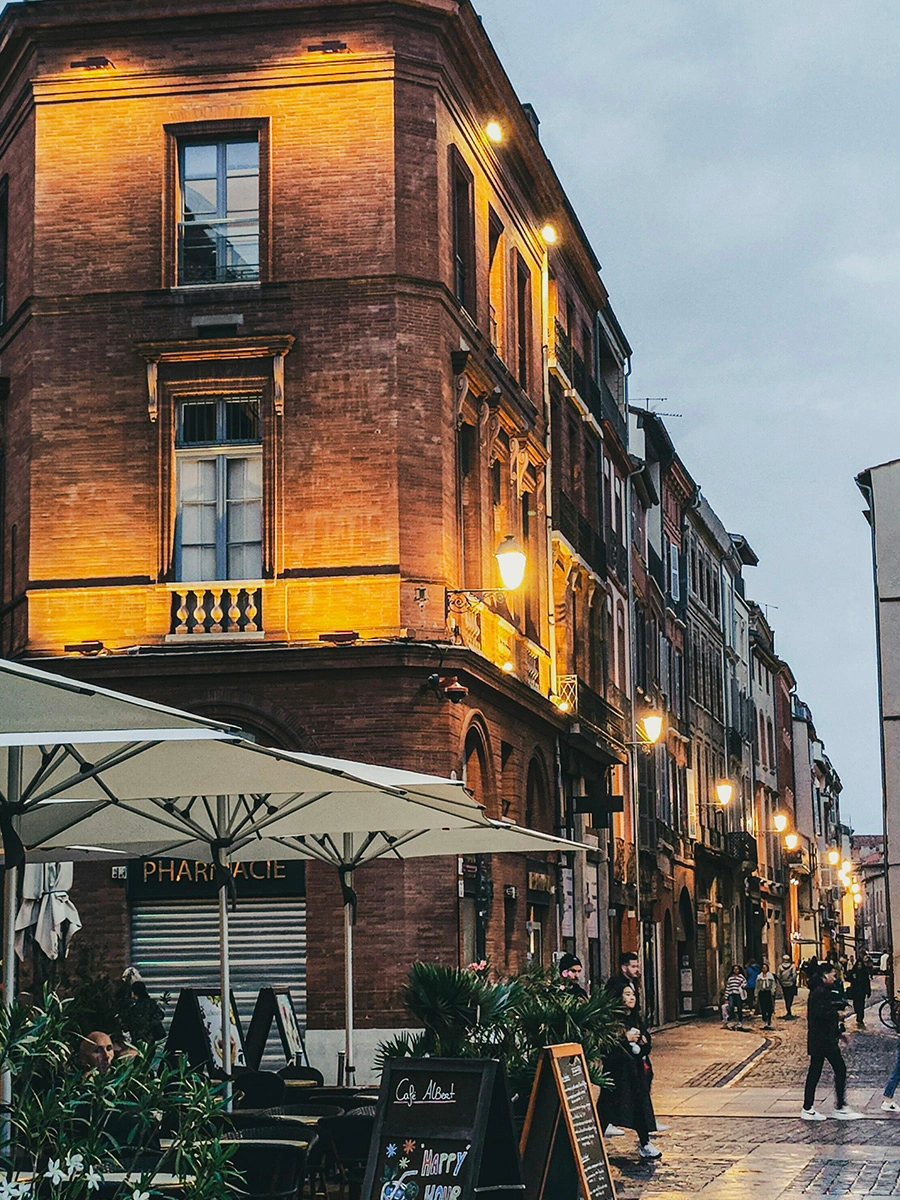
column 427, row 833
column 242, row 801
column 53, row 733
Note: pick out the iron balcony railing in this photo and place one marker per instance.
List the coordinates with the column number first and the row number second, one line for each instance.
column 580, row 534
column 591, row 708
column 562, row 351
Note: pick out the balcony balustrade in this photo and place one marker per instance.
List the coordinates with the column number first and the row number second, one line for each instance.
column 216, row 609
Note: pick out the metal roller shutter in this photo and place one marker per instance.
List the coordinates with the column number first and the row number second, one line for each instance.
column 176, row 945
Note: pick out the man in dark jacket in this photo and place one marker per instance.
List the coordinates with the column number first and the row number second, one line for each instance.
column 859, row 985
column 822, row 1043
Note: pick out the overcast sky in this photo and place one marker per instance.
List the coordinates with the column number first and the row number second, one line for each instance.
column 737, row 171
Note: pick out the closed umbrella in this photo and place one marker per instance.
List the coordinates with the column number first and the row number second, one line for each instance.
column 46, row 913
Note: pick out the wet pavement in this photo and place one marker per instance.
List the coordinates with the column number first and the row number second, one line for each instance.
column 732, row 1100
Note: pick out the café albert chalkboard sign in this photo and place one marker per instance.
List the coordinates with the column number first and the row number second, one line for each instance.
column 443, row 1131
column 563, row 1154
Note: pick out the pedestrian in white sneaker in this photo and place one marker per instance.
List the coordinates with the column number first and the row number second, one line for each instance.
column 626, row 1062
column 822, row 1043
column 889, row 1104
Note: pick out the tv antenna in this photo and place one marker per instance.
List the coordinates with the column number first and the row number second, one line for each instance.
column 648, row 400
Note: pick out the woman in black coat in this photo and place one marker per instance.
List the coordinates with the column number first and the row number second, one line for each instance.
column 629, row 1064
column 859, row 986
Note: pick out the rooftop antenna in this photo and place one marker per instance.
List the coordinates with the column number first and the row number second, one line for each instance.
column 648, row 400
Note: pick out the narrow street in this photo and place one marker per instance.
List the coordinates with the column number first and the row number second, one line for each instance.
column 732, row 1101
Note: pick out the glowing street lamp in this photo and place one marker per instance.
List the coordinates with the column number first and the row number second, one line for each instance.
column 780, row 821
column 724, row 791
column 834, row 857
column 493, row 131
column 512, row 562
column 651, row 726
column 549, row 234
column 791, row 842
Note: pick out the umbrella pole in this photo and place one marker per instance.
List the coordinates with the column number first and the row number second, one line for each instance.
column 10, row 887
column 224, row 968
column 349, row 1065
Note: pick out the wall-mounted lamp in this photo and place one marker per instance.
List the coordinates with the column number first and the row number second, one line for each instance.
column 792, row 842
column 511, row 562
column 97, row 62
column 493, row 131
column 448, row 687
column 834, row 857
column 780, row 821
column 89, row 648
column 724, row 792
column 847, row 866
column 549, row 234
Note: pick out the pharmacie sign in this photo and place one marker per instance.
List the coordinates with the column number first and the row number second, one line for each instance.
column 188, row 879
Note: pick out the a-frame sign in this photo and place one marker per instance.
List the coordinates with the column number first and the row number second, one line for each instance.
column 563, row 1154
column 443, row 1131
column 275, row 1004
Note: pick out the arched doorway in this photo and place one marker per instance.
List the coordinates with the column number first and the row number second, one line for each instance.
column 686, row 952
column 474, row 901
column 670, row 969
column 539, row 919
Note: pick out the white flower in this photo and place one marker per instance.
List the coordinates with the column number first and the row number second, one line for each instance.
column 55, row 1172
column 9, row 1189
column 75, row 1164
column 93, row 1178
column 139, row 1195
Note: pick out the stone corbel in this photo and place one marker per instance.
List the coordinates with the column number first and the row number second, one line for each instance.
column 153, row 388
column 278, row 382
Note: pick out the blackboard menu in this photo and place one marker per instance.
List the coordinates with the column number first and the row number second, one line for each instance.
column 443, row 1131
column 562, row 1144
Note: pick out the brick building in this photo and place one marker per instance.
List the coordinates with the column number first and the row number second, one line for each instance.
column 290, row 344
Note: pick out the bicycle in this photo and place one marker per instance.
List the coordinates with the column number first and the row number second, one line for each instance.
column 889, row 1013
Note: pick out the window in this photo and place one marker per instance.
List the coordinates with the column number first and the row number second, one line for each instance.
column 218, row 522
column 4, row 235
column 218, row 221
column 523, row 321
column 674, row 573
column 495, row 277
column 463, row 233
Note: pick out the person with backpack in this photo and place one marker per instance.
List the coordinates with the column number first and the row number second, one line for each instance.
column 787, row 978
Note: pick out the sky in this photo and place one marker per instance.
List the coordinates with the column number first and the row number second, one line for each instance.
column 736, row 169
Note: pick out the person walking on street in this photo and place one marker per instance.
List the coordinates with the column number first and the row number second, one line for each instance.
column 628, row 1063
column 787, row 977
column 822, row 1044
column 736, row 994
column 859, row 985
column 765, row 995
column 751, row 974
column 889, row 1104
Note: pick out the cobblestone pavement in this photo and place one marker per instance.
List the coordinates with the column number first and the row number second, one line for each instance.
column 766, row 1153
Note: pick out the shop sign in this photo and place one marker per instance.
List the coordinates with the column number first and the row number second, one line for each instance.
column 188, row 879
